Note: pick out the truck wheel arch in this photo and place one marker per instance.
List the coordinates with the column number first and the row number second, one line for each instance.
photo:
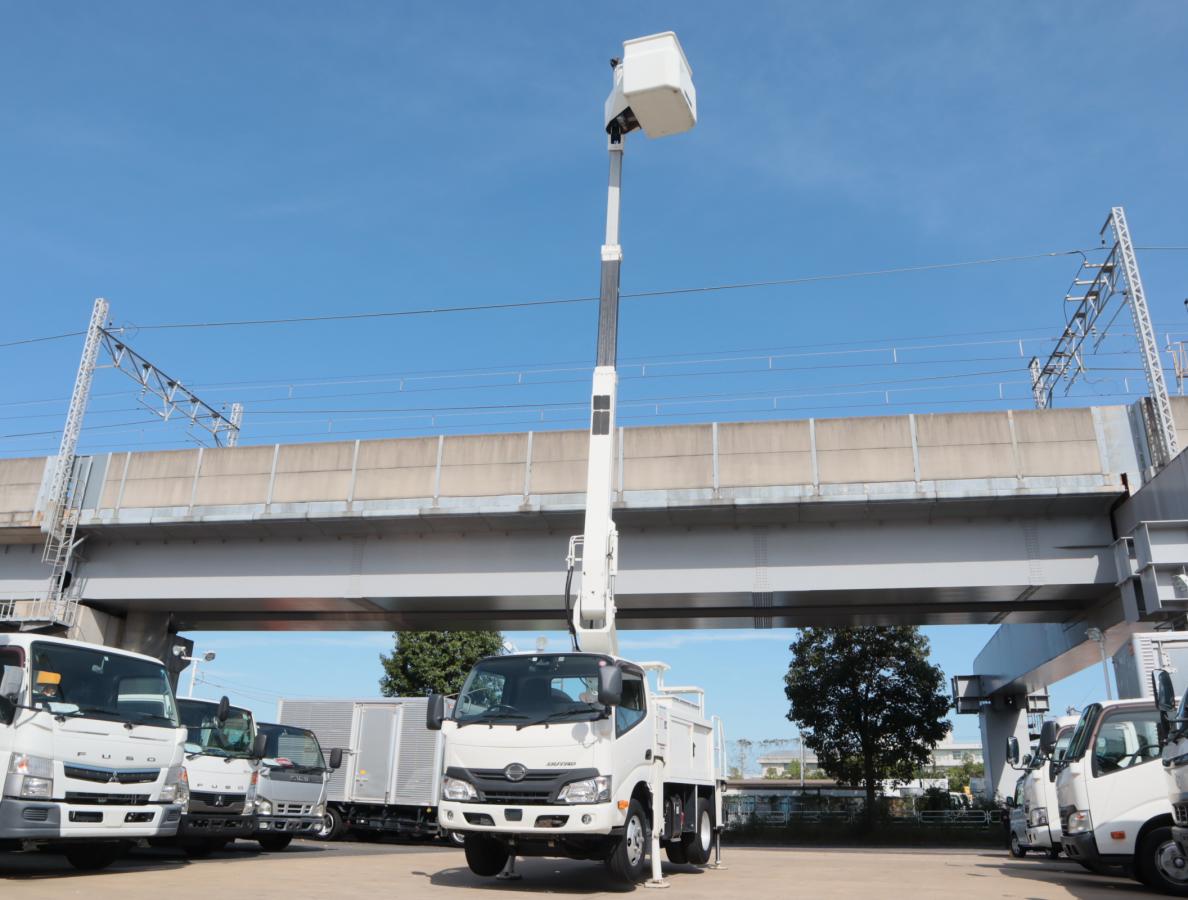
column 1164, row 819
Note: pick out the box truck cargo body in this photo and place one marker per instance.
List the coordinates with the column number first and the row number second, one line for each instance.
column 390, row 779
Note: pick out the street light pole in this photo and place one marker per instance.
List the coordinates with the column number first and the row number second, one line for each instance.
column 1095, row 635
column 180, row 652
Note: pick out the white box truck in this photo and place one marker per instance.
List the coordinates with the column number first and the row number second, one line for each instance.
column 390, row 778
column 90, row 749
column 1035, row 813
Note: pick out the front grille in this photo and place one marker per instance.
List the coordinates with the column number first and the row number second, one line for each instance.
column 294, row 809
column 112, row 776
column 86, row 817
column 1180, row 813
column 83, row 798
column 210, row 801
column 529, row 775
column 525, row 797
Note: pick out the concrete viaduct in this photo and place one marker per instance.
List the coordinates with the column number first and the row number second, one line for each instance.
column 1025, row 518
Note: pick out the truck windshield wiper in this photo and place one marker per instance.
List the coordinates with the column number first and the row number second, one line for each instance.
column 557, row 714
column 490, row 714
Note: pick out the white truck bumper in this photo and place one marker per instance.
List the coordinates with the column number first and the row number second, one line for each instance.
column 38, row 820
column 540, row 821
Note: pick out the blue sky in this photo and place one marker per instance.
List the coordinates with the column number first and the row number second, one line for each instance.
column 231, row 161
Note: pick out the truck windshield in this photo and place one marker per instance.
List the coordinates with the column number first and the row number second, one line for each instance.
column 231, row 737
column 527, row 690
column 1079, row 742
column 87, row 683
column 288, row 746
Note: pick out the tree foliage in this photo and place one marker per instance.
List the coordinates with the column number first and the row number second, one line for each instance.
column 425, row 661
column 868, row 702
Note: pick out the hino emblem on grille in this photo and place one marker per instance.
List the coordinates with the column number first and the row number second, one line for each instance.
column 515, row 772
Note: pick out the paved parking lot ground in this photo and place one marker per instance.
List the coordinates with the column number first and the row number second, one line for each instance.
column 349, row 870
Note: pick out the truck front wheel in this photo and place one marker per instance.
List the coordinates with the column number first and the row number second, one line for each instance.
column 93, row 857
column 485, row 855
column 629, row 857
column 1160, row 865
column 275, row 843
column 333, row 825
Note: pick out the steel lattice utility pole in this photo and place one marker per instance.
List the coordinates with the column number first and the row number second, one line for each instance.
column 1164, row 424
column 64, row 465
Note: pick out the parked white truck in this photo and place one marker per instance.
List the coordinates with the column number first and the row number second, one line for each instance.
column 576, row 754
column 389, row 781
column 1035, row 819
column 90, row 749
column 222, row 753
column 1112, row 796
column 290, row 787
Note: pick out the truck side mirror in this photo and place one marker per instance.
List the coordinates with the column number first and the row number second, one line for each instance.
column 1013, row 751
column 224, row 710
column 336, row 758
column 435, row 712
column 260, row 746
column 610, row 685
column 1165, row 701
column 1048, row 732
column 12, row 686
column 7, row 710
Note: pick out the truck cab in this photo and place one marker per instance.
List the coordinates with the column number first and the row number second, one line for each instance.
column 290, row 785
column 1112, row 796
column 222, row 750
column 1036, row 808
column 577, row 755
column 90, row 749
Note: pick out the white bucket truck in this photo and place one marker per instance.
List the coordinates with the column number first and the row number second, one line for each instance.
column 1035, row 819
column 90, row 749
column 291, row 785
column 575, row 754
column 223, row 750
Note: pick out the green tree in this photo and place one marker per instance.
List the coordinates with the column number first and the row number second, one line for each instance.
column 425, row 661
column 867, row 702
column 959, row 777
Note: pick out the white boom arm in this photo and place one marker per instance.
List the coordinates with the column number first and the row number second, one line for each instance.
column 652, row 89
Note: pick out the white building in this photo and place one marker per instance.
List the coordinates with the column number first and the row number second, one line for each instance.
column 947, row 755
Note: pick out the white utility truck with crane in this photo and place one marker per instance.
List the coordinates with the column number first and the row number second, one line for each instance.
column 580, row 754
column 90, row 749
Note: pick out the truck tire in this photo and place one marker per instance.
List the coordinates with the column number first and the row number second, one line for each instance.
column 1017, row 850
column 629, row 858
column 484, row 855
column 676, row 853
column 1053, row 853
column 1160, row 865
column 700, row 843
column 275, row 843
column 333, row 825
column 93, row 857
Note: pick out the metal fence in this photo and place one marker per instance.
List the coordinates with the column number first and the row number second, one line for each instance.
column 962, row 818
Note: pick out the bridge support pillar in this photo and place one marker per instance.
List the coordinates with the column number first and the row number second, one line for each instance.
column 97, row 627
column 1003, row 718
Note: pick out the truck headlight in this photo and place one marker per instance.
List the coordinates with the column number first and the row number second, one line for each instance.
column 1079, row 822
column 35, row 776
column 588, row 790
column 457, row 789
column 263, row 807
column 1039, row 817
column 320, row 810
column 173, row 786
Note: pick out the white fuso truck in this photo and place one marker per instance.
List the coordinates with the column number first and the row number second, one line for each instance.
column 223, row 751
column 90, row 749
column 290, row 787
column 576, row 754
column 389, row 781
